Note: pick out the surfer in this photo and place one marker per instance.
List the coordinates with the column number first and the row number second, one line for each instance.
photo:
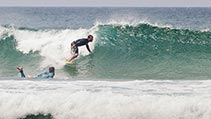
column 77, row 43
column 49, row 74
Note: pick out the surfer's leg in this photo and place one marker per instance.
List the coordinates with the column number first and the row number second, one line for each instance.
column 73, row 57
column 75, row 50
column 20, row 69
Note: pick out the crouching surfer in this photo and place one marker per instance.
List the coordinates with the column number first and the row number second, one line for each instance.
column 78, row 43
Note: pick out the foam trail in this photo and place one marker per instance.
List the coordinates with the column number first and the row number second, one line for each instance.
column 53, row 45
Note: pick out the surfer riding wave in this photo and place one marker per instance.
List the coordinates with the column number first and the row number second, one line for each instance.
column 78, row 43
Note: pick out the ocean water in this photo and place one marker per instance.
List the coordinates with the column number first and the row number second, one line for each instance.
column 147, row 63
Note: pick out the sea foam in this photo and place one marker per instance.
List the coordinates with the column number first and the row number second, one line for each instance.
column 105, row 100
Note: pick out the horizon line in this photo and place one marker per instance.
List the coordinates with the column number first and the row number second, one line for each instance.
column 121, row 6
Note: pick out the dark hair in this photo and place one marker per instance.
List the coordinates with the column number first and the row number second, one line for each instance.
column 52, row 70
column 89, row 36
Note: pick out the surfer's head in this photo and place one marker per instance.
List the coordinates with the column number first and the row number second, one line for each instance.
column 90, row 38
column 52, row 70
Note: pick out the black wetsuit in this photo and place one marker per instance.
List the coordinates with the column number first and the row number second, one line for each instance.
column 80, row 42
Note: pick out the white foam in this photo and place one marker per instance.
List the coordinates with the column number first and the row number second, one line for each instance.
column 131, row 21
column 5, row 31
column 52, row 45
column 106, row 100
column 205, row 30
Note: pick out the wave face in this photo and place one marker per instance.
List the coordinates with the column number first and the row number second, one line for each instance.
column 148, row 52
column 141, row 51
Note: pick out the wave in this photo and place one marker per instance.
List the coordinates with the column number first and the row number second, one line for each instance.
column 140, row 51
column 150, row 52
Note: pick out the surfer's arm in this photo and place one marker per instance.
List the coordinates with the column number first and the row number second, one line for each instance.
column 87, row 46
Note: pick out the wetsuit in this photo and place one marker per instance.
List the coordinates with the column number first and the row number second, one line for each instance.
column 80, row 42
column 22, row 74
column 43, row 75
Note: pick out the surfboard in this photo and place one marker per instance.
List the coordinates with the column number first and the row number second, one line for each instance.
column 68, row 63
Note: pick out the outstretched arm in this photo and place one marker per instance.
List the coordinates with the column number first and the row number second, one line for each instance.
column 87, row 46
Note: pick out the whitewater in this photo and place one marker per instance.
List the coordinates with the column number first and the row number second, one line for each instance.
column 106, row 99
column 147, row 63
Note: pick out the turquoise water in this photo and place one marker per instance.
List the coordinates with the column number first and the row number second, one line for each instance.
column 147, row 63
column 130, row 43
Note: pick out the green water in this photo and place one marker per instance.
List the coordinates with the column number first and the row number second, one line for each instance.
column 129, row 52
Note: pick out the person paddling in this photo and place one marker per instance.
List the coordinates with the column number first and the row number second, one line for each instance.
column 49, row 74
